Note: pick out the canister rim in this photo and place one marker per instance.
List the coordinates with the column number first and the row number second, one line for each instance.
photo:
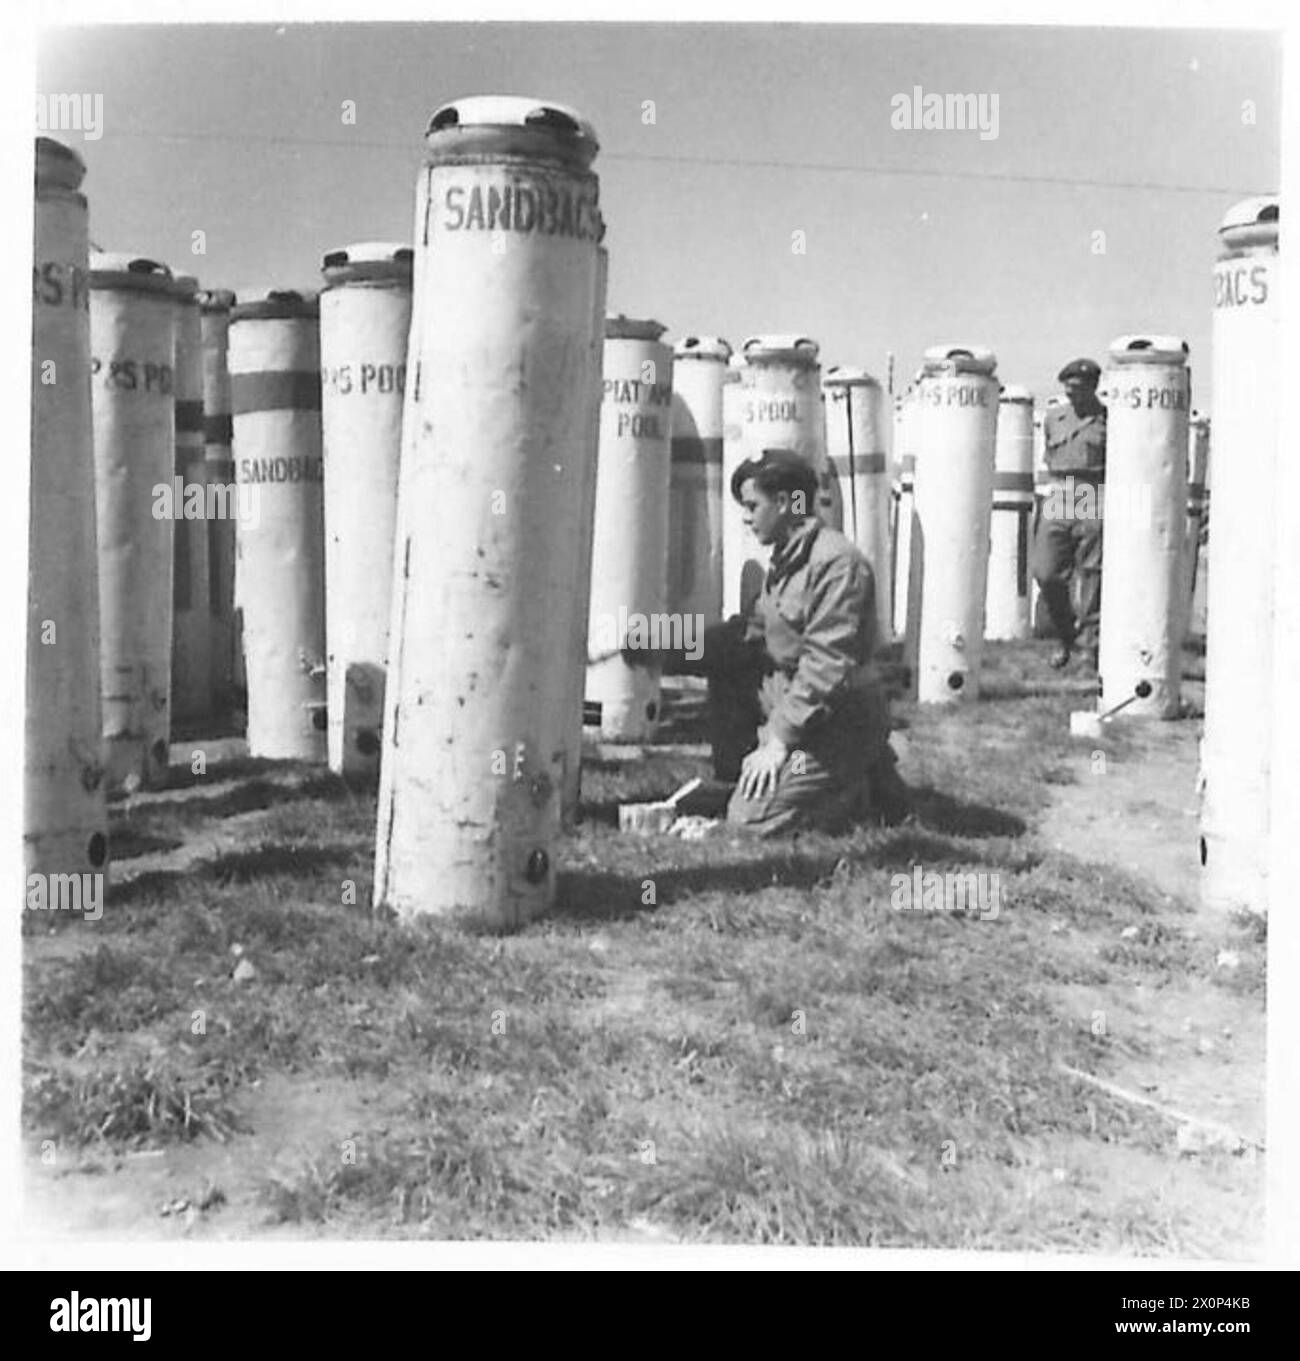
column 121, row 269
column 277, row 303
column 510, row 123
column 216, row 299
column 801, row 349
column 632, row 328
column 959, row 359
column 58, row 165
column 1148, row 349
column 1251, row 222
column 512, row 111
column 847, row 375
column 1015, row 392
column 702, row 347
column 368, row 260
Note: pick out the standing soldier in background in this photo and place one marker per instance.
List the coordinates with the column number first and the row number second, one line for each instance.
column 796, row 675
column 1067, row 536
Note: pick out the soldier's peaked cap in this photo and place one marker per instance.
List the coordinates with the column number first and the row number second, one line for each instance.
column 1080, row 368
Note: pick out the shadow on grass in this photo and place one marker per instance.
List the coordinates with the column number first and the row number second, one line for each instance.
column 249, row 797
column 180, row 776
column 586, row 895
column 995, row 688
column 127, row 843
column 232, row 867
column 940, row 812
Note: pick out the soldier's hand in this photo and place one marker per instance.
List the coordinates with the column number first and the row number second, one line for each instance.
column 760, row 769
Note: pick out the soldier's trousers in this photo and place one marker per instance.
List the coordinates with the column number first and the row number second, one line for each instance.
column 1062, row 548
column 832, row 782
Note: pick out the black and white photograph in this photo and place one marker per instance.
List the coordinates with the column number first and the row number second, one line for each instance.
column 656, row 635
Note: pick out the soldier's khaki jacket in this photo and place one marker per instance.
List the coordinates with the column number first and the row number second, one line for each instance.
column 816, row 621
column 1075, row 444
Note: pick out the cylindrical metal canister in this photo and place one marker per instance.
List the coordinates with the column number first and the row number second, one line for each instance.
column 783, row 409
column 956, row 426
column 65, row 824
column 132, row 339
column 478, row 726
column 630, row 553
column 1037, row 610
column 365, row 318
column 1239, row 698
column 695, row 489
column 856, row 446
column 275, row 397
column 1146, row 389
column 907, row 542
column 1006, row 601
column 191, row 612
column 1195, row 558
column 904, row 463
column 225, row 647
column 744, row 559
column 1284, row 728
column 572, row 697
column 895, row 496
column 1042, row 475
column 779, row 407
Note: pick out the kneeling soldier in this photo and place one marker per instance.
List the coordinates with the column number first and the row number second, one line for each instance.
column 796, row 674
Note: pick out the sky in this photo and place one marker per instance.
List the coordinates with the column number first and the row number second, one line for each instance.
column 911, row 237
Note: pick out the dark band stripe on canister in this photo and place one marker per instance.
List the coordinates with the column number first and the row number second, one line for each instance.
column 1006, row 503
column 276, row 390
column 860, row 464
column 692, row 449
column 218, row 429
column 189, row 418
column 1013, row 482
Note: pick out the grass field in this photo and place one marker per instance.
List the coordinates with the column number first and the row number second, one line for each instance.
column 708, row 1040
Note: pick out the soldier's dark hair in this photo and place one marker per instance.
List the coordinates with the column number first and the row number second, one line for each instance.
column 777, row 470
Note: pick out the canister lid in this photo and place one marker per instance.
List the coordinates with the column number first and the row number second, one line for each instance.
column 787, row 349
column 628, row 328
column 845, row 375
column 1013, row 392
column 510, row 125
column 702, row 347
column 368, row 260
column 120, row 269
column 216, row 299
column 1148, row 350
column 278, row 303
column 1252, row 222
column 58, row 166
column 959, row 359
